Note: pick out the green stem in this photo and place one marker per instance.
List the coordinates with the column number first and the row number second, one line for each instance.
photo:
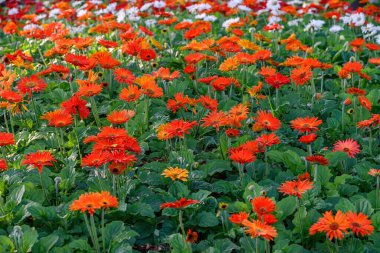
column 377, row 192
column 76, row 136
column 315, row 172
column 6, row 120
column 146, row 113
column 180, row 218
column 257, row 245
column 277, row 99
column 89, row 228
column 62, row 141
column 266, row 163
column 11, row 121
column 35, row 112
column 95, row 111
column 95, row 235
column 43, row 188
column 103, row 232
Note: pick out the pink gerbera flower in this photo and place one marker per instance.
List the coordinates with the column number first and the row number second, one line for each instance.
column 349, row 146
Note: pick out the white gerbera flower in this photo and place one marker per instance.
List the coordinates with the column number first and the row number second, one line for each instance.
column 336, row 29
column 229, row 22
column 358, row 19
column 314, row 25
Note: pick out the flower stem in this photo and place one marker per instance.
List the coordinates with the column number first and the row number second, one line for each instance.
column 95, row 111
column 43, row 188
column 35, row 112
column 94, row 233
column 6, row 120
column 103, row 232
column 76, row 136
column 180, row 215
column 377, row 192
column 315, row 172
column 89, row 228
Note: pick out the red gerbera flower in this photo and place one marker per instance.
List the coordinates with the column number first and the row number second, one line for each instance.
column 3, row 165
column 147, row 54
column 6, row 139
column 349, row 146
column 263, row 205
column 307, row 139
column 39, row 160
column 277, row 80
column 31, row 84
column 306, row 125
column 124, row 76
column 359, row 224
column 76, row 105
column 181, row 203
column 318, row 159
column 241, row 155
column 296, row 188
column 120, row 117
column 130, row 94
column 58, row 118
column 238, row 218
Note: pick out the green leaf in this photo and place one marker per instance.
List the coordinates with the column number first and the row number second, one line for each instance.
column 345, row 205
column 178, row 244
column 216, row 166
column 225, row 245
column 286, row 207
column 207, row 219
column 44, row 244
column 141, row 208
column 17, row 194
column 6, row 245
column 336, row 157
column 29, row 238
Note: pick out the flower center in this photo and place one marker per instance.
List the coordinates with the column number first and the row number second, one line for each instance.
column 334, row 226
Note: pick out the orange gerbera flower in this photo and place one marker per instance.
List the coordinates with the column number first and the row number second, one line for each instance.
column 356, row 91
column 164, row 73
column 301, row 75
column 215, row 119
column 181, row 203
column 263, row 205
column 88, row 202
column 349, row 146
column 258, row 228
column 89, row 89
column 120, row 117
column 176, row 128
column 374, row 172
column 237, row 114
column 277, row 80
column 267, row 140
column 6, row 139
column 365, row 102
column 176, row 173
column 58, row 118
column 359, row 224
column 130, row 94
column 6, row 79
column 296, row 188
column 238, row 218
column 267, row 121
column 334, row 226
column 31, row 84
column 96, row 160
column 123, row 76
column 306, row 125
column 11, row 96
column 107, row 200
column 231, row 63
column 39, row 160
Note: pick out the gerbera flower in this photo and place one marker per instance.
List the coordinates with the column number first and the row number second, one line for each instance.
column 258, row 228
column 6, row 79
column 359, row 224
column 334, row 226
column 164, row 73
column 238, row 218
column 267, row 121
column 58, row 118
column 123, row 76
column 176, row 173
column 77, row 60
column 181, row 203
column 208, row 102
column 215, row 119
column 374, row 172
column 39, row 160
column 307, row 139
column 11, row 96
column 191, row 236
column 3, row 165
column 301, row 75
column 27, row 85
column 89, row 89
column 267, row 140
column 306, row 125
column 348, row 146
column 296, row 188
column 365, row 102
column 107, row 200
column 318, row 159
column 94, row 159
column 130, row 94
column 147, row 54
column 241, row 155
column 356, row 91
column 88, row 202
column 277, row 80
column 120, row 117
column 263, row 205
column 6, row 139
column 76, row 105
